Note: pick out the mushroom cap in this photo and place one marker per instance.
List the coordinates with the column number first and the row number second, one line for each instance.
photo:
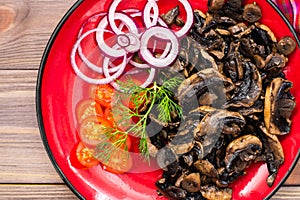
column 279, row 105
column 242, row 151
column 191, row 182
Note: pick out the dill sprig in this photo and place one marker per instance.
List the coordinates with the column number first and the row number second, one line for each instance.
column 144, row 100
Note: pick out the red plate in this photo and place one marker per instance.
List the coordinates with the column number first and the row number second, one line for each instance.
column 58, row 91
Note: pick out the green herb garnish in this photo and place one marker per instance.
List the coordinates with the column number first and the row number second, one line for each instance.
column 144, row 100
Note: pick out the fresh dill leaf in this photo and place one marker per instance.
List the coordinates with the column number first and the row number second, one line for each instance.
column 172, row 83
column 144, row 100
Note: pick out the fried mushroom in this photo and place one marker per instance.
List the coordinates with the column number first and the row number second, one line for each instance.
column 249, row 89
column 208, row 80
column 212, row 125
column 252, row 12
column 273, row 153
column 191, row 182
column 171, row 15
column 165, row 157
column 212, row 192
column 279, row 104
column 241, row 152
column 206, row 168
column 286, row 45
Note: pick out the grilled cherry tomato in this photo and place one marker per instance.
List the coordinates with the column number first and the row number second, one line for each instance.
column 103, row 94
column 120, row 161
column 86, row 108
column 85, row 156
column 92, row 130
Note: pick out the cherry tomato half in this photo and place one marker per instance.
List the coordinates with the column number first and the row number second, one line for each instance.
column 86, row 108
column 119, row 116
column 104, row 95
column 92, row 130
column 120, row 161
column 127, row 145
column 85, row 156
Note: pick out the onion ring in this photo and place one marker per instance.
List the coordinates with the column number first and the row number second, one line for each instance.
column 112, row 15
column 147, row 13
column 107, row 80
column 148, row 56
column 189, row 19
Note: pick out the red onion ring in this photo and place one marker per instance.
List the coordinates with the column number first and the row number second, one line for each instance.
column 134, row 43
column 189, row 19
column 112, row 15
column 86, row 61
column 147, row 13
column 107, row 80
column 139, row 65
column 109, row 51
column 148, row 56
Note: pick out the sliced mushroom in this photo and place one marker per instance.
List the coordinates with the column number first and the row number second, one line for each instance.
column 214, row 193
column 259, row 61
column 179, row 21
column 233, row 67
column 191, row 182
column 267, row 30
column 247, row 47
column 193, row 56
column 286, row 45
column 202, row 60
column 214, row 5
column 257, row 107
column 206, row 168
column 275, row 64
column 217, row 22
column 202, row 110
column 241, row 152
column 199, row 18
column 208, row 80
column 237, row 28
column 264, row 38
column 250, row 88
column 174, row 192
column 252, row 12
column 235, row 4
column 273, row 152
column 171, row 15
column 279, row 105
column 212, row 125
column 183, row 142
column 232, row 9
column 165, row 157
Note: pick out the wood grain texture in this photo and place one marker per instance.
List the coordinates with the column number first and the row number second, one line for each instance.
column 35, row 192
column 23, row 43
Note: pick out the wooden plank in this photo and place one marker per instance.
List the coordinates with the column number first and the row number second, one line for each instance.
column 25, row 28
column 24, row 159
column 17, row 98
column 32, row 192
column 62, row 192
column 291, row 193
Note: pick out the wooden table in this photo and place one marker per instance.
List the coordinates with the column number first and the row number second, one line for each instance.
column 25, row 170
